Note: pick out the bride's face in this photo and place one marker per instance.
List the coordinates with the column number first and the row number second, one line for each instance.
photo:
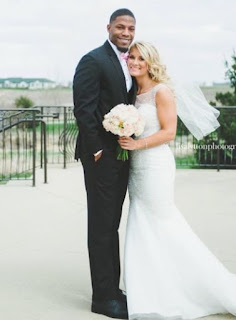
column 138, row 67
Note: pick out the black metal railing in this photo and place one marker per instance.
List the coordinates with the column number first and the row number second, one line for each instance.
column 18, row 144
column 217, row 150
column 31, row 138
column 61, row 133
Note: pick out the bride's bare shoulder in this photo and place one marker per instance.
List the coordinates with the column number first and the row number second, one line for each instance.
column 163, row 94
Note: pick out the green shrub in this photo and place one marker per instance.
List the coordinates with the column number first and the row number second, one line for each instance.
column 24, row 102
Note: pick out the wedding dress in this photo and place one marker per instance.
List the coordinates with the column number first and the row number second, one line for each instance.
column 168, row 272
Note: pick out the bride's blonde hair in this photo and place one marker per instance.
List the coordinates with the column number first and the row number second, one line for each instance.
column 156, row 70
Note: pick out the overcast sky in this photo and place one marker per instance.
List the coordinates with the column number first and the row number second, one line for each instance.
column 46, row 38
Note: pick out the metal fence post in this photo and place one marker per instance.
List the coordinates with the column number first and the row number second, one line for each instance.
column 41, row 141
column 45, row 151
column 64, row 137
column 34, row 149
column 218, row 150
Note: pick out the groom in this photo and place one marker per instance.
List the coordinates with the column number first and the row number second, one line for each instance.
column 102, row 81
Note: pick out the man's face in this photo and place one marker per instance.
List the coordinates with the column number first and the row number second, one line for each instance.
column 121, row 32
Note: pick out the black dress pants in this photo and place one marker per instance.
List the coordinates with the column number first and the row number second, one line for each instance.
column 106, row 184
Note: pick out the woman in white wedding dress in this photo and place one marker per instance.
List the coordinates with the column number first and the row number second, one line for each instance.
column 168, row 272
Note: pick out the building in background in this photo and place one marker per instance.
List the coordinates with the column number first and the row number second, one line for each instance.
column 27, row 83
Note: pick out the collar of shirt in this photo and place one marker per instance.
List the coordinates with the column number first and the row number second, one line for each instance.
column 114, row 47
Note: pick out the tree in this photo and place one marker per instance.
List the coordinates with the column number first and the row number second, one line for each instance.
column 228, row 98
column 231, row 72
column 227, row 130
column 24, row 102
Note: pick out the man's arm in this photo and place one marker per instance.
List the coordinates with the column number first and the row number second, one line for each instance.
column 86, row 89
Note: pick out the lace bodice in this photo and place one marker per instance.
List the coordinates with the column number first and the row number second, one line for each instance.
column 146, row 105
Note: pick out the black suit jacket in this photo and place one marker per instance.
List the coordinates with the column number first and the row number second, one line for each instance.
column 98, row 86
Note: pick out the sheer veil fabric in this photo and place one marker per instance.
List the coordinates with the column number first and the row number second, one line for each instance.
column 194, row 110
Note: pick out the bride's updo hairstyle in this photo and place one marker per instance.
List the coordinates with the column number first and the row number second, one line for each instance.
column 157, row 71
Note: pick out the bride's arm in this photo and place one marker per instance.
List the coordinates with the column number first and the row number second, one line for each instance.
column 167, row 116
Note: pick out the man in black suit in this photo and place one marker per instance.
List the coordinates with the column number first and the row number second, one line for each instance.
column 101, row 82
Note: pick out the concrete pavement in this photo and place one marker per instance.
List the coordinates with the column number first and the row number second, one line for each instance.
column 44, row 270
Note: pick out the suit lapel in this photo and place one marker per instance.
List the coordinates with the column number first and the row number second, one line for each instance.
column 118, row 68
column 133, row 91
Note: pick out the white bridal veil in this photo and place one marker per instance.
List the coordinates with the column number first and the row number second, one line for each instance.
column 193, row 109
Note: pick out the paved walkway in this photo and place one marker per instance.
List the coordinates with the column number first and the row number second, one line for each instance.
column 44, row 271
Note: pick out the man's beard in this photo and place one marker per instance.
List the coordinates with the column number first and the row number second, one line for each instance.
column 122, row 49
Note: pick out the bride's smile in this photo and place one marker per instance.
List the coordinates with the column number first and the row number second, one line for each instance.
column 138, row 67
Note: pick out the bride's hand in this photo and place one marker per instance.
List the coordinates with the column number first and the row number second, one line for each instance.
column 127, row 143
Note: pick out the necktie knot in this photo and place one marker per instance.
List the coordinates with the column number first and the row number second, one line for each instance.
column 124, row 56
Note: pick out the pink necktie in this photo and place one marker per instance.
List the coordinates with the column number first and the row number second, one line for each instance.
column 124, row 56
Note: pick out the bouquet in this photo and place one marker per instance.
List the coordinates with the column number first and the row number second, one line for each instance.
column 123, row 120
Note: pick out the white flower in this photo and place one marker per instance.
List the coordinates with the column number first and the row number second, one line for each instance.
column 124, row 120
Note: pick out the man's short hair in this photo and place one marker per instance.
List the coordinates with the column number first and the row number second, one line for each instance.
column 121, row 12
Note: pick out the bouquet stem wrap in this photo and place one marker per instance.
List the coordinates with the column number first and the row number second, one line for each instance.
column 122, row 154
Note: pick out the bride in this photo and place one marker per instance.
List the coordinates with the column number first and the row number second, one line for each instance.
column 168, row 272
